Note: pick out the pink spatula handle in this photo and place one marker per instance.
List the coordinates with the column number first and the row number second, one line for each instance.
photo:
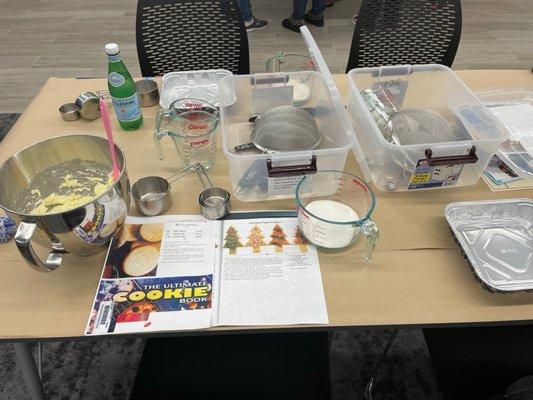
column 109, row 133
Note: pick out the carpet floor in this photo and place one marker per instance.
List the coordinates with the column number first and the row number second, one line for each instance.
column 105, row 369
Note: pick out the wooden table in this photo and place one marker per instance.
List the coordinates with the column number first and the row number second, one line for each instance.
column 418, row 276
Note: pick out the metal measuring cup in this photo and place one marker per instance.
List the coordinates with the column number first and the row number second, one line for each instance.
column 152, row 194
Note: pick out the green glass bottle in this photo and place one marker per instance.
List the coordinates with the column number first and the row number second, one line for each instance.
column 122, row 90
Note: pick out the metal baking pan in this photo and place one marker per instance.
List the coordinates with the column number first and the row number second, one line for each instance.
column 201, row 85
column 496, row 237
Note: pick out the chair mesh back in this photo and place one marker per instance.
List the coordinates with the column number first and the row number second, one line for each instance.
column 392, row 32
column 184, row 35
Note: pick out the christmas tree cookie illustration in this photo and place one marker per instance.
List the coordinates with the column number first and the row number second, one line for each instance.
column 278, row 238
column 299, row 240
column 232, row 240
column 256, row 239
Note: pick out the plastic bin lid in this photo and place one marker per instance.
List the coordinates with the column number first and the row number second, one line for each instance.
column 513, row 107
column 322, row 67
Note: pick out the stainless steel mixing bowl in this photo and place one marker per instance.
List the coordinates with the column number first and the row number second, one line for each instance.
column 82, row 231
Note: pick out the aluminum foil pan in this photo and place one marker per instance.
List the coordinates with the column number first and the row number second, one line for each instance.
column 203, row 85
column 496, row 237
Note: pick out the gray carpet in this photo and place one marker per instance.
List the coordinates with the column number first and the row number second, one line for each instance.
column 6, row 122
column 105, row 369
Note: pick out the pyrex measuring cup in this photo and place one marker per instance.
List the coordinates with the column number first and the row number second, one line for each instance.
column 191, row 124
column 334, row 208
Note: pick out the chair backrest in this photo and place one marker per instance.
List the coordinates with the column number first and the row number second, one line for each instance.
column 392, row 32
column 185, row 35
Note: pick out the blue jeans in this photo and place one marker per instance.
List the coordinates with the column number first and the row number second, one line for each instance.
column 299, row 6
column 246, row 10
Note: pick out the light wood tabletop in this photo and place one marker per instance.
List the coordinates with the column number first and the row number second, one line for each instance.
column 418, row 276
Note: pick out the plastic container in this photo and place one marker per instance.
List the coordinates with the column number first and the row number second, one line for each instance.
column 419, row 165
column 513, row 106
column 201, row 85
column 255, row 176
column 496, row 238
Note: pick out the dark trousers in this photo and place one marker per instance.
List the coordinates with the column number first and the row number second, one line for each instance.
column 299, row 8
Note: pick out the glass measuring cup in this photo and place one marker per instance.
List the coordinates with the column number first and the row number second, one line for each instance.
column 334, row 208
column 191, row 124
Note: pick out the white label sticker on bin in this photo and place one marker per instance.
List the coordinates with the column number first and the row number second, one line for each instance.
column 265, row 98
column 283, row 185
column 426, row 176
column 397, row 87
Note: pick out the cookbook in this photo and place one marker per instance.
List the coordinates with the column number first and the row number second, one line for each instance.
column 186, row 272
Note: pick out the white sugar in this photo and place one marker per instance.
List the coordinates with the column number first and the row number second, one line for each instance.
column 332, row 211
column 330, row 235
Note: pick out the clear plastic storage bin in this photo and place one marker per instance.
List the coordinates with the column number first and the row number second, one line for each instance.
column 259, row 176
column 454, row 138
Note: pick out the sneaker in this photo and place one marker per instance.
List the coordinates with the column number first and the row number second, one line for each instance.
column 354, row 19
column 292, row 24
column 255, row 24
column 317, row 20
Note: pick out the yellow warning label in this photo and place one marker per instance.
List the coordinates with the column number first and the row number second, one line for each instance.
column 420, row 178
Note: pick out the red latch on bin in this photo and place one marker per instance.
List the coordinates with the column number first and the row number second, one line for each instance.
column 470, row 158
column 291, row 170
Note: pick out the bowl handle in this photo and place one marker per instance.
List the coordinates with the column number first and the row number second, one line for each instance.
column 23, row 237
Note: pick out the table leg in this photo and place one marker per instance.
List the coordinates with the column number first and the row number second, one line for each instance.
column 369, row 388
column 29, row 370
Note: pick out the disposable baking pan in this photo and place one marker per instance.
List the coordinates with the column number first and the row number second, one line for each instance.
column 201, row 85
column 496, row 237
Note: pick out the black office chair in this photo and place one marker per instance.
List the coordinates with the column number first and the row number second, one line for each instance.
column 185, row 35
column 392, row 32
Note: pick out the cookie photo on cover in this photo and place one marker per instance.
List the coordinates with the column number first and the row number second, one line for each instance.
column 134, row 252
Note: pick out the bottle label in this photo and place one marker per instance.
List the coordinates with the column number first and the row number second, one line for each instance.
column 127, row 109
column 114, row 57
column 115, row 79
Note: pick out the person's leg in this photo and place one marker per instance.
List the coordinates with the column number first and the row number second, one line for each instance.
column 250, row 22
column 246, row 10
column 296, row 20
column 318, row 7
column 298, row 10
column 316, row 15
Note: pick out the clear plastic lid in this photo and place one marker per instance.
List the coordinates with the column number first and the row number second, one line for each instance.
column 513, row 106
column 322, row 67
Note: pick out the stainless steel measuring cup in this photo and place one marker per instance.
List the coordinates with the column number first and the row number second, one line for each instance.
column 152, row 194
column 214, row 203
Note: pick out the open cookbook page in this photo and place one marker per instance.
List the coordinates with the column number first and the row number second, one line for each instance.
column 158, row 276
column 269, row 275
column 185, row 272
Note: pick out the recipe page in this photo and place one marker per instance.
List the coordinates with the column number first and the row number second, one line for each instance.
column 269, row 275
column 158, row 275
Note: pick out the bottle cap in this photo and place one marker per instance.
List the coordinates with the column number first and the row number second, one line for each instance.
column 111, row 49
